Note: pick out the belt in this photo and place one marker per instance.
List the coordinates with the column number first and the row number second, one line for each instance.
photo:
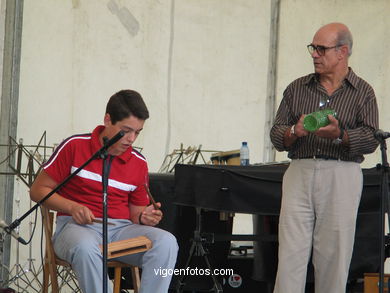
column 322, row 157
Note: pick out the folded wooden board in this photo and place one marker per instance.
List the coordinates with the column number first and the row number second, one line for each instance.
column 127, row 246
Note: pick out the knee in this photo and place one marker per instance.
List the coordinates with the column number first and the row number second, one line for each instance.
column 84, row 251
column 166, row 242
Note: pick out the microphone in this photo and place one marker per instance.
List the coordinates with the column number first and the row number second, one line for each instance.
column 380, row 134
column 12, row 232
column 118, row 136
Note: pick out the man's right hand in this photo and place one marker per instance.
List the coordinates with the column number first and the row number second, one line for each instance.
column 299, row 129
column 81, row 214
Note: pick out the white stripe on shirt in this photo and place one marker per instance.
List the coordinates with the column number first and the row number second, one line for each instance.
column 138, row 156
column 98, row 178
column 64, row 144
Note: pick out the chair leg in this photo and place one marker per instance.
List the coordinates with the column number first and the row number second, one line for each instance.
column 117, row 279
column 136, row 278
column 46, row 277
column 53, row 279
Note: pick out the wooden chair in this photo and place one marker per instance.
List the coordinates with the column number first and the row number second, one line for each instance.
column 115, row 249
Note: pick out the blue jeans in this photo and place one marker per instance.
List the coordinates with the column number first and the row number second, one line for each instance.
column 79, row 245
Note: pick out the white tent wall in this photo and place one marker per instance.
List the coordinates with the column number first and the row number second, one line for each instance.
column 201, row 66
column 208, row 89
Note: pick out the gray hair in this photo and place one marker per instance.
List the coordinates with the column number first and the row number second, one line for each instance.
column 344, row 37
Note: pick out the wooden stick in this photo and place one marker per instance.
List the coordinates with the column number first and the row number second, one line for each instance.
column 151, row 198
column 101, row 222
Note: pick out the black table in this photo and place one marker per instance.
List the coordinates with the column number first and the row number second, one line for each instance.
column 257, row 190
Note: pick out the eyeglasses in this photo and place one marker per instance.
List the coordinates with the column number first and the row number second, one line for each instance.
column 321, row 50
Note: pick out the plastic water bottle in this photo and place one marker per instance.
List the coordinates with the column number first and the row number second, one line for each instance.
column 244, row 154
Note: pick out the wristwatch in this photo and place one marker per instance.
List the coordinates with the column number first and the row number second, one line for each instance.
column 292, row 131
column 339, row 140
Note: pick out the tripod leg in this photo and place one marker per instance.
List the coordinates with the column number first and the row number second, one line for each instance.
column 180, row 282
column 198, row 249
column 217, row 286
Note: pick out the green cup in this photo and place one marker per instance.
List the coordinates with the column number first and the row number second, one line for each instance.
column 313, row 121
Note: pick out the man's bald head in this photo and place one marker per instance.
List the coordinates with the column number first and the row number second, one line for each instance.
column 339, row 32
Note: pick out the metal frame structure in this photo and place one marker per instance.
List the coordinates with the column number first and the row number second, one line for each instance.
column 25, row 162
column 189, row 155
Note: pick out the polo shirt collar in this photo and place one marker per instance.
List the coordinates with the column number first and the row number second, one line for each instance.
column 96, row 145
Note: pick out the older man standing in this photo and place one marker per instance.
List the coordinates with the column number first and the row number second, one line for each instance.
column 323, row 184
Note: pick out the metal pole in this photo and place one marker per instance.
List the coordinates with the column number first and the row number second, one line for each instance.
column 11, row 18
column 269, row 151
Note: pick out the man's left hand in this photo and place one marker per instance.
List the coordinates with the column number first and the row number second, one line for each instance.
column 331, row 131
column 150, row 216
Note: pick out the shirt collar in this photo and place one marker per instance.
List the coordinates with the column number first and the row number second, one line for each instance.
column 96, row 144
column 351, row 78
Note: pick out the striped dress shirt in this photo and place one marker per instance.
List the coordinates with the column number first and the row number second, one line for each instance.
column 356, row 110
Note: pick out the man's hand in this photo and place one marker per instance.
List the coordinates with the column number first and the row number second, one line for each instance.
column 299, row 129
column 81, row 214
column 331, row 131
column 150, row 216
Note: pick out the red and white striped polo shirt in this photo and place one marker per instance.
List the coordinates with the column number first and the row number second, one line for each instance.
column 128, row 174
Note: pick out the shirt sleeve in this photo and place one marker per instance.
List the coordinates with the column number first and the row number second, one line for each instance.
column 58, row 167
column 361, row 139
column 139, row 196
column 283, row 120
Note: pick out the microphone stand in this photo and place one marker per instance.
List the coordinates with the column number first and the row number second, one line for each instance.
column 107, row 159
column 385, row 204
column 102, row 153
